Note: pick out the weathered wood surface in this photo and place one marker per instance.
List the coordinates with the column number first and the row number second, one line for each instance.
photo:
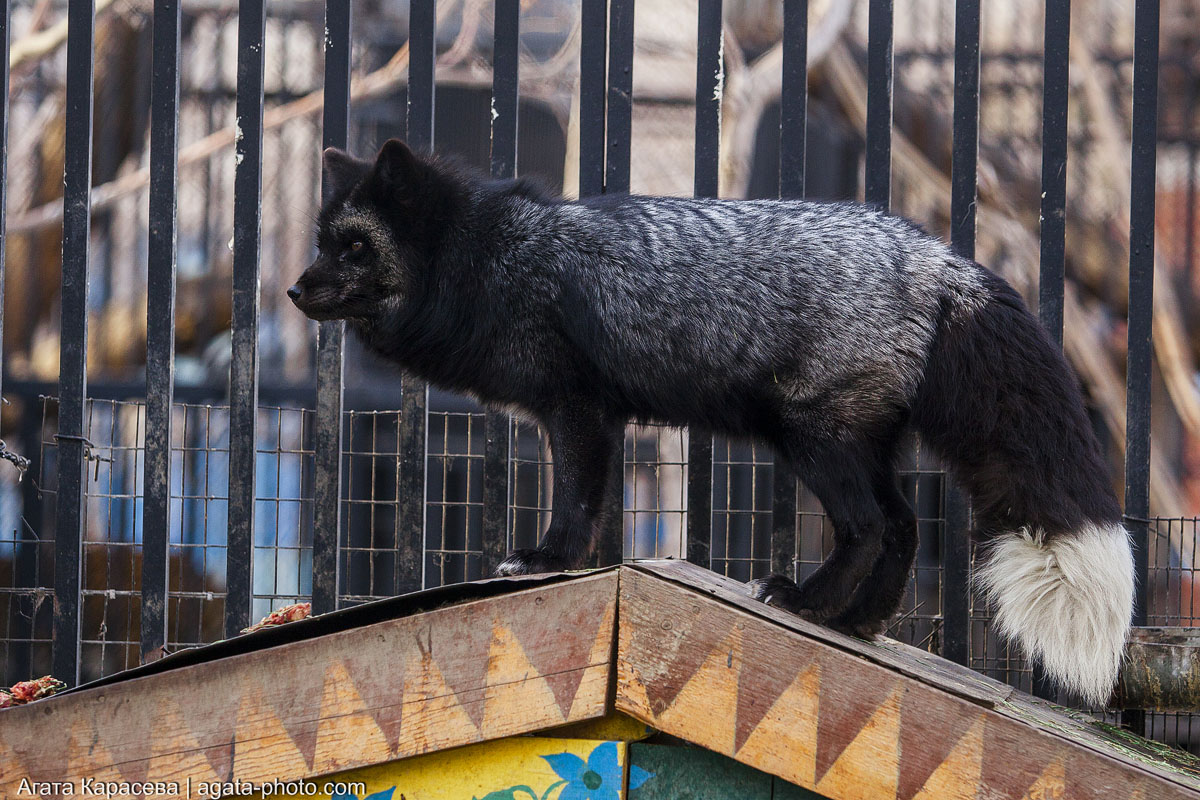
column 889, row 653
column 824, row 712
column 1161, row 670
column 466, row 673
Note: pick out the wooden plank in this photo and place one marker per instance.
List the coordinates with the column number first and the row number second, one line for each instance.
column 908, row 660
column 827, row 718
column 472, row 672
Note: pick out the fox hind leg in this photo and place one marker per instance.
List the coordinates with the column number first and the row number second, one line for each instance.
column 878, row 597
column 842, row 479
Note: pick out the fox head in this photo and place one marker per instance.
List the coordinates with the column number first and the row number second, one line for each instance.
column 377, row 233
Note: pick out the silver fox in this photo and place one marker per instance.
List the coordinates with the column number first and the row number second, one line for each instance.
column 825, row 330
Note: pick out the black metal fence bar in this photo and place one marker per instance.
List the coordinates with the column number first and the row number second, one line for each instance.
column 72, row 377
column 618, row 135
column 793, row 100
column 709, row 79
column 1052, row 236
column 793, row 109
column 160, row 324
column 5, row 22
column 497, row 430
column 415, row 402
column 1054, row 166
column 878, row 185
column 327, row 428
column 1143, row 173
column 620, row 95
column 593, row 53
column 956, row 554
column 243, row 380
column 1141, row 290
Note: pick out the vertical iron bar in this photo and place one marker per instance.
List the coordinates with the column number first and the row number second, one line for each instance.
column 1054, row 166
column 793, row 100
column 72, row 376
column 793, row 108
column 710, row 77
column 243, row 381
column 620, row 95
column 710, row 74
column 593, row 49
column 1052, row 269
column 327, row 432
column 5, row 21
column 160, row 325
column 1141, row 303
column 956, row 558
column 618, row 131
column 414, row 404
column 496, row 427
column 878, row 188
column 505, row 92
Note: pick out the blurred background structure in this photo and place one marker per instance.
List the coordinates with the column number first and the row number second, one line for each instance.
column 745, row 497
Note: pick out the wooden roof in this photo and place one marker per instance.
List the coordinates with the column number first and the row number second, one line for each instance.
column 670, row 644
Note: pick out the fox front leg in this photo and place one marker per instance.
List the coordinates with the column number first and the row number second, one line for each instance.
column 585, row 445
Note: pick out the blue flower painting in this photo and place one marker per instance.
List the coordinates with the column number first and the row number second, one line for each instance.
column 598, row 778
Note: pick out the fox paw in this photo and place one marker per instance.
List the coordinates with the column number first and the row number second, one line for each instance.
column 529, row 562
column 782, row 592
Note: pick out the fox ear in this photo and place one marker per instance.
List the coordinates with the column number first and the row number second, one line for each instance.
column 340, row 171
column 396, row 163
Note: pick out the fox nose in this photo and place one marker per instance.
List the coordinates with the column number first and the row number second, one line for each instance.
column 295, row 291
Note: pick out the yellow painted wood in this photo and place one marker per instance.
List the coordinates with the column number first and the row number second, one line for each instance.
column 476, row 771
column 614, row 725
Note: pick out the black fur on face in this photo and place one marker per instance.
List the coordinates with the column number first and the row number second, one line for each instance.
column 378, row 232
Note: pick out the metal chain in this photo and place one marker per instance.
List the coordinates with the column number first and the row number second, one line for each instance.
column 17, row 460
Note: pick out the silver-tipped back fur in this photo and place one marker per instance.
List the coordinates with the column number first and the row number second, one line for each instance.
column 1067, row 600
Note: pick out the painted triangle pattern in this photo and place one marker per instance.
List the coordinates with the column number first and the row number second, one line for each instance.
column 514, row 686
column 758, row 693
column 869, row 765
column 958, row 776
column 845, row 712
column 662, row 688
column 180, row 757
column 710, row 724
column 784, row 740
column 926, row 742
column 380, row 689
column 548, row 650
column 347, row 734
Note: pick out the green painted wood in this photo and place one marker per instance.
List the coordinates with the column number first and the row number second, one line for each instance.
column 690, row 773
column 790, row 791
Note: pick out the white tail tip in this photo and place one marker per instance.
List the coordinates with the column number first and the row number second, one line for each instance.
column 1067, row 600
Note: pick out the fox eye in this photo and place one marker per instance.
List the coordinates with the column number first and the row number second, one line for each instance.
column 356, row 247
